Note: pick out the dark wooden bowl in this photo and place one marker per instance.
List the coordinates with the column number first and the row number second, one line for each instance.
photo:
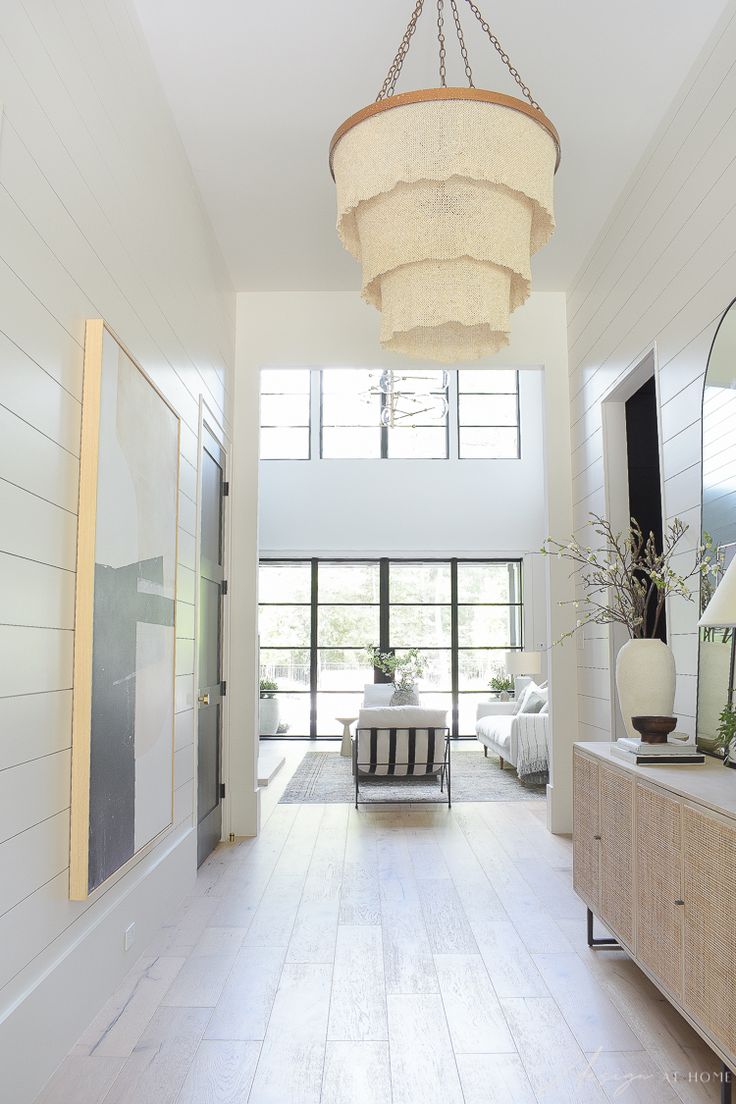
column 654, row 730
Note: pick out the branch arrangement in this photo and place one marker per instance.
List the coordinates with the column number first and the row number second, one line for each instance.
column 406, row 670
column 627, row 581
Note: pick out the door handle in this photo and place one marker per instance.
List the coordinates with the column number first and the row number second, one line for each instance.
column 597, row 837
column 204, row 699
column 679, row 901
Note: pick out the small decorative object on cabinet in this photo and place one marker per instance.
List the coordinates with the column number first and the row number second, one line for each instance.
column 655, row 860
column 124, row 647
column 654, row 730
column 627, row 580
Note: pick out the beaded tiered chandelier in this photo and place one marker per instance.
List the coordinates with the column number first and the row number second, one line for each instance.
column 443, row 195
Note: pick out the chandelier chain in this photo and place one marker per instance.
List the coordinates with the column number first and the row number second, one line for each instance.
column 441, row 40
column 461, row 40
column 389, row 84
column 503, row 55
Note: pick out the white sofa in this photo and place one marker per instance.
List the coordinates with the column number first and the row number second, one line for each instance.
column 521, row 739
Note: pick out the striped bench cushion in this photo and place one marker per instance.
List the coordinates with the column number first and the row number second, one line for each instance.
column 400, row 751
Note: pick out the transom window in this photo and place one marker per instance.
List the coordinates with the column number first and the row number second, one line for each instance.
column 488, row 414
column 318, row 616
column 285, row 421
column 485, row 402
column 354, row 409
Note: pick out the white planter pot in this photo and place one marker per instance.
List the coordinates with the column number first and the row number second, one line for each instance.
column 269, row 716
column 645, row 680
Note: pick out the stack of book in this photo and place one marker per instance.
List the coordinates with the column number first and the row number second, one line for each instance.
column 673, row 751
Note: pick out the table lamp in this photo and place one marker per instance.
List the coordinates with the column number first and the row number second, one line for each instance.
column 524, row 663
column 720, row 613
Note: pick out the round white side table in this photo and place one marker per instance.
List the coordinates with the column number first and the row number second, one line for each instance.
column 346, row 745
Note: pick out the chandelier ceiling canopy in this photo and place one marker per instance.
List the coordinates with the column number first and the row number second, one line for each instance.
column 443, row 195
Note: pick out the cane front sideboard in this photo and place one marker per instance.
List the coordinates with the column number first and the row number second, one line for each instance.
column 654, row 858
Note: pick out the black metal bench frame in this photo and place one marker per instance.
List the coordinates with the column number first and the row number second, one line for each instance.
column 445, row 771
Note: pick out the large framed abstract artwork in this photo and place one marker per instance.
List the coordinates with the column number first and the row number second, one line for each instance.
column 124, row 654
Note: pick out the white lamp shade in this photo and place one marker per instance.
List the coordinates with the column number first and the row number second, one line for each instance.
column 720, row 613
column 524, row 663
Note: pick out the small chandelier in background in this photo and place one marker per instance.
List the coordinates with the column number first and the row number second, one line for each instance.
column 411, row 398
column 443, row 195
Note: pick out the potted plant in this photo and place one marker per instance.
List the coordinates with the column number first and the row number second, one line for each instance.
column 626, row 581
column 269, row 708
column 727, row 734
column 405, row 671
column 503, row 685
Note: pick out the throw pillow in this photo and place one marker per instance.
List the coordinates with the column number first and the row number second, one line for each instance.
column 534, row 698
column 521, row 697
column 376, row 694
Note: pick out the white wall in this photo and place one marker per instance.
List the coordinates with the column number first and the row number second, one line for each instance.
column 661, row 274
column 393, row 506
column 313, row 329
column 100, row 218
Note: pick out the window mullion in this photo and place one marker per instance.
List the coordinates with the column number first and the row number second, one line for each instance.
column 454, row 655
column 384, row 632
column 314, row 655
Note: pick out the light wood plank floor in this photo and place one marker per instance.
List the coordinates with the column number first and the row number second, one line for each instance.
column 399, row 954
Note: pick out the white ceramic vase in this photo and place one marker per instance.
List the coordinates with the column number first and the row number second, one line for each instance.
column 645, row 680
column 269, row 716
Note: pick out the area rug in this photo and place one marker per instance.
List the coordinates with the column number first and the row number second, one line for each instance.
column 324, row 777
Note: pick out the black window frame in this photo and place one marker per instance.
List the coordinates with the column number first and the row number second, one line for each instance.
column 383, row 430
column 460, row 425
column 277, row 394
column 384, row 605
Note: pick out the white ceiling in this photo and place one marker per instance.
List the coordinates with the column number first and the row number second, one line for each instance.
column 257, row 89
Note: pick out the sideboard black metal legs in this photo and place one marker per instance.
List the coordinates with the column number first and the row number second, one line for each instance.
column 607, row 942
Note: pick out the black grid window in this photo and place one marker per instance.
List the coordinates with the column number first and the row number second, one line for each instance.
column 355, row 412
column 285, row 409
column 488, row 414
column 318, row 616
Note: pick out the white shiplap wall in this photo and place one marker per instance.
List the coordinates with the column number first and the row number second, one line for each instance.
column 99, row 217
column 661, row 275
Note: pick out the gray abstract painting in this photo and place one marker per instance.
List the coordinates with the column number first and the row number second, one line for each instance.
column 131, row 668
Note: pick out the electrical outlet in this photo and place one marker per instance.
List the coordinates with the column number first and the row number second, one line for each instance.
column 129, row 936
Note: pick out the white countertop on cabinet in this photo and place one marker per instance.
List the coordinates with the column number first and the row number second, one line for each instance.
column 709, row 784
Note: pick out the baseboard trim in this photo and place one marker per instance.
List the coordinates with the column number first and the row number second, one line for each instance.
column 44, row 1019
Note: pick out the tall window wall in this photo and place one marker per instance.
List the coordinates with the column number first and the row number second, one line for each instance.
column 318, row 616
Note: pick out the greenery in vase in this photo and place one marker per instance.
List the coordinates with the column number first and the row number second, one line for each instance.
column 626, row 580
column 726, row 727
column 502, row 682
column 268, row 688
column 404, row 670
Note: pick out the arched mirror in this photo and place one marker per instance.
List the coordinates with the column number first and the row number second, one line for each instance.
column 717, row 646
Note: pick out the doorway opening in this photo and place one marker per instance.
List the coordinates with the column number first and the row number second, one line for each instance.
column 645, row 484
column 633, row 481
column 210, row 685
